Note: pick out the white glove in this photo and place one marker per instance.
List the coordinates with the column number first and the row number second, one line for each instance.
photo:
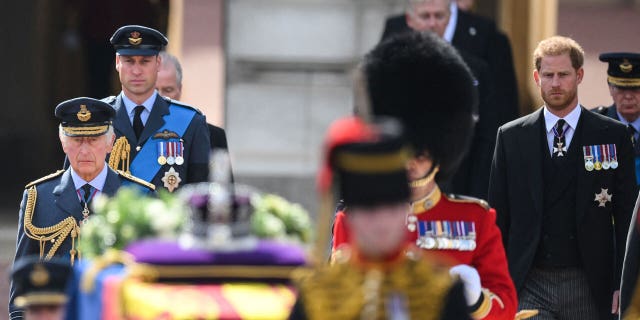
column 471, row 280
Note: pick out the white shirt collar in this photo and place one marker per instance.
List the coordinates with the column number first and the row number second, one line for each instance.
column 130, row 105
column 97, row 182
column 572, row 118
column 453, row 20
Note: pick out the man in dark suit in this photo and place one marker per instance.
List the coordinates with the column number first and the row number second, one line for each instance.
column 169, row 84
column 160, row 140
column 480, row 37
column 562, row 184
column 623, row 79
column 472, row 178
column 54, row 206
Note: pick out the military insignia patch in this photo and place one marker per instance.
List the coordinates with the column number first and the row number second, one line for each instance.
column 603, row 197
column 39, row 276
column 83, row 115
column 166, row 135
column 626, row 66
column 171, row 179
column 135, row 38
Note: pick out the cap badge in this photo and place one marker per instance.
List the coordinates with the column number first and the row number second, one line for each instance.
column 135, row 38
column 84, row 115
column 39, row 276
column 625, row 66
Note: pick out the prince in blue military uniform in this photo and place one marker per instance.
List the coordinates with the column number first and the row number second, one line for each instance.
column 623, row 78
column 54, row 207
column 160, row 140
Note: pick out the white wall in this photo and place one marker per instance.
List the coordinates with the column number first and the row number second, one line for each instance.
column 289, row 75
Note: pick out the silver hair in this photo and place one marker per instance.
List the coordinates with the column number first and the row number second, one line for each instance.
column 167, row 57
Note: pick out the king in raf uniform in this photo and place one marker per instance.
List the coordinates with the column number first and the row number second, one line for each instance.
column 53, row 208
column 160, row 140
column 439, row 122
column 380, row 275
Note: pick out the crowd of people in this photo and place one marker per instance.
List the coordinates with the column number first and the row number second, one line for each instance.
column 450, row 206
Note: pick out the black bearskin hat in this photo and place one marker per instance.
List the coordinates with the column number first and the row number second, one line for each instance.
column 422, row 80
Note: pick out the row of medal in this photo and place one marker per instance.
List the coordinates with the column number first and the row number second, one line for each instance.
column 598, row 157
column 447, row 235
column 170, row 152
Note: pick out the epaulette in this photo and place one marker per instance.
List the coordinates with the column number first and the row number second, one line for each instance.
column 136, row 180
column 109, row 100
column 601, row 110
column 181, row 104
column 466, row 199
column 43, row 179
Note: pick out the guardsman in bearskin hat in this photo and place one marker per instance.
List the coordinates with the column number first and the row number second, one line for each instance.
column 159, row 140
column 54, row 207
column 41, row 287
column 422, row 81
column 379, row 275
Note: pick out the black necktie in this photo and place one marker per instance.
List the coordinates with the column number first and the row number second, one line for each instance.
column 632, row 132
column 87, row 192
column 137, row 121
column 559, row 143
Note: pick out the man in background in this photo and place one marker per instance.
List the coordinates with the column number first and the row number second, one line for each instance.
column 169, row 84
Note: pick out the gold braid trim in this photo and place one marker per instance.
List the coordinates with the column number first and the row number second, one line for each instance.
column 526, row 314
column 137, row 180
column 120, row 155
column 424, row 181
column 56, row 233
column 338, row 291
column 487, row 304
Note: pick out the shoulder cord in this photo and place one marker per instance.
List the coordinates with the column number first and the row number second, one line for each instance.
column 56, row 233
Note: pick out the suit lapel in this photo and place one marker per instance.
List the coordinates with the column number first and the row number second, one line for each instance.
column 66, row 197
column 155, row 121
column 111, row 184
column 122, row 124
column 530, row 147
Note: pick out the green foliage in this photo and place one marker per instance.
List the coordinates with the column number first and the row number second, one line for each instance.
column 275, row 217
column 128, row 216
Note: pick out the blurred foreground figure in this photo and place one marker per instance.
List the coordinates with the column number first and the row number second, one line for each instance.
column 379, row 276
column 41, row 287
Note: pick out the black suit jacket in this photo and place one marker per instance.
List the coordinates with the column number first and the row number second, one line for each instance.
column 218, row 139
column 196, row 139
column 516, row 191
column 480, row 37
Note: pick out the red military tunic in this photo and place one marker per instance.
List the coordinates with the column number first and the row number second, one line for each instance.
column 466, row 233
